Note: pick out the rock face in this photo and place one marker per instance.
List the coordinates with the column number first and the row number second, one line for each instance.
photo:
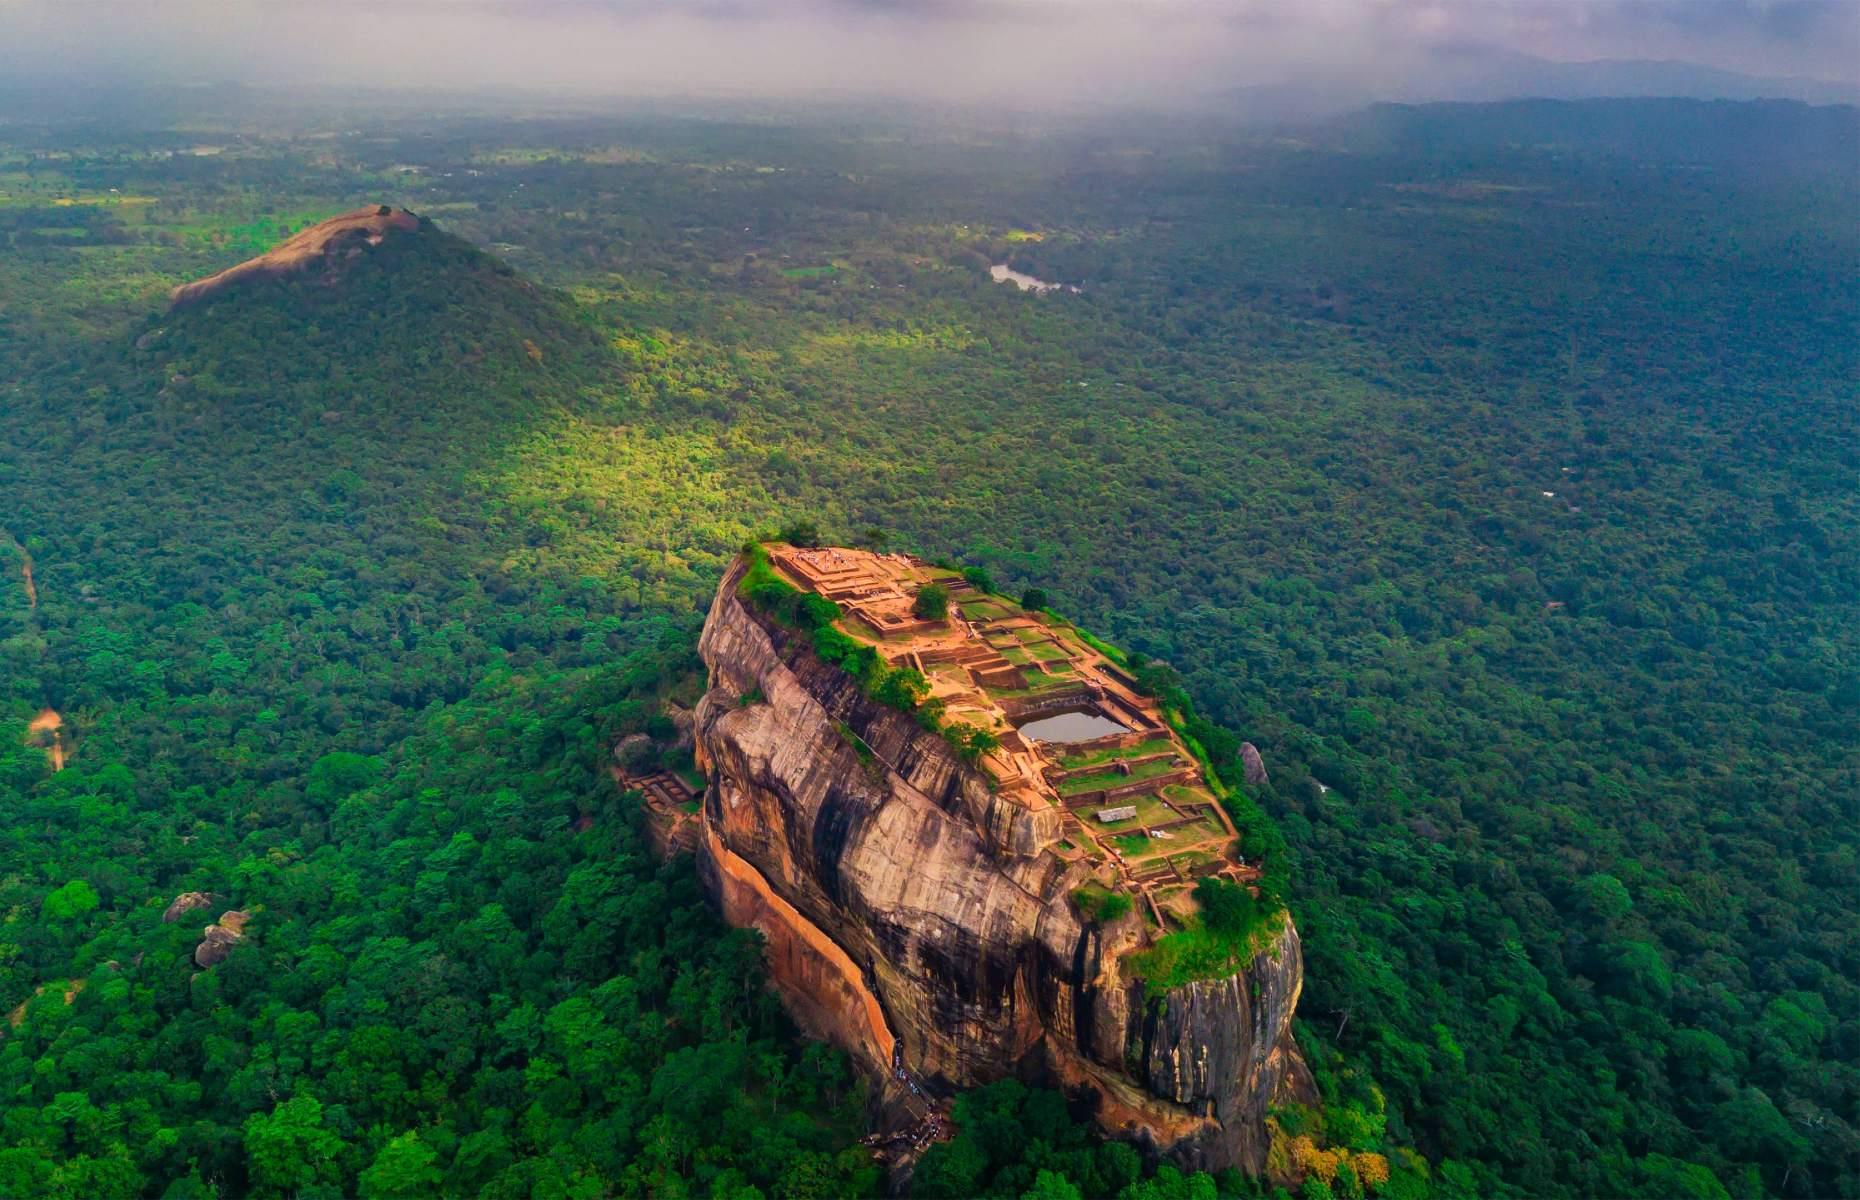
column 630, row 748
column 921, row 924
column 1252, row 764
column 684, row 721
column 185, row 903
column 217, row 941
column 324, row 248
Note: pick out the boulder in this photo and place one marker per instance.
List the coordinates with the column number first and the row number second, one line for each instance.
column 218, row 940
column 186, row 903
column 1252, row 765
column 685, row 722
column 630, row 750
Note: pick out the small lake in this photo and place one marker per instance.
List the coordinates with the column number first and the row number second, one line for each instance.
column 1070, row 727
column 1002, row 273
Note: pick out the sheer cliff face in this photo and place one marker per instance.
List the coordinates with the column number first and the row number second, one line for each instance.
column 910, row 913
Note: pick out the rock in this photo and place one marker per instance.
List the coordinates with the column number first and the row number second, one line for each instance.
column 685, row 722
column 629, row 750
column 1196, row 1059
column 322, row 250
column 216, row 943
column 919, row 920
column 186, row 903
column 218, row 940
column 1252, row 765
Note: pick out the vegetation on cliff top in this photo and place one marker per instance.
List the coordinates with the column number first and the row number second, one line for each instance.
column 1101, row 904
column 1232, row 929
column 814, row 617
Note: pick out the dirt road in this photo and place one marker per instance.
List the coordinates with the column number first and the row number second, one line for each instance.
column 48, row 730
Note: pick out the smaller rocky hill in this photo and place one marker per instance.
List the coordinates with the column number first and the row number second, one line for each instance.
column 324, row 250
column 378, row 320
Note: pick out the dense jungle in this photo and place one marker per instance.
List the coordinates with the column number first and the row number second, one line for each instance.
column 1492, row 468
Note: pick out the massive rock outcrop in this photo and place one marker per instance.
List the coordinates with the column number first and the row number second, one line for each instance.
column 922, row 923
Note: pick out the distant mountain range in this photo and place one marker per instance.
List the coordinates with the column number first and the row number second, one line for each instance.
column 1476, row 75
column 1769, row 135
column 1463, row 74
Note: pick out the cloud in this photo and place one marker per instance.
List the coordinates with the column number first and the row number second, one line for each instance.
column 1068, row 52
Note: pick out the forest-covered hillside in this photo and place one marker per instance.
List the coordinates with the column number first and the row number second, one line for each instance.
column 1503, row 495
column 271, row 611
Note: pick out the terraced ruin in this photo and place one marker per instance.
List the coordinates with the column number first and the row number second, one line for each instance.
column 1075, row 731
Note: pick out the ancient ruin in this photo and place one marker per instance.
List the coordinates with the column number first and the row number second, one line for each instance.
column 1075, row 733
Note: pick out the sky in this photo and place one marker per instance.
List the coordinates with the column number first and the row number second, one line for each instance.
column 1030, row 52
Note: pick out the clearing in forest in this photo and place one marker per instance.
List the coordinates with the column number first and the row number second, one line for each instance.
column 48, row 730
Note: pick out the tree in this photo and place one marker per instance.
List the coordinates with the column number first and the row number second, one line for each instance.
column 950, row 1170
column 1664, row 1176
column 1050, row 1185
column 801, row 531
column 900, row 687
column 1225, row 907
column 971, row 741
column 70, row 901
column 112, row 1177
column 337, row 776
column 405, row 1169
column 932, row 602
column 288, row 1149
column 1755, row 1127
column 1606, row 897
column 24, row 1172
column 1034, row 599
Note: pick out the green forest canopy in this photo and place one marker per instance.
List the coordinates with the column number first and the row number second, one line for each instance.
column 1503, row 498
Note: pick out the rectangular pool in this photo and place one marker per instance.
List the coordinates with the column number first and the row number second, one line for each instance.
column 1080, row 726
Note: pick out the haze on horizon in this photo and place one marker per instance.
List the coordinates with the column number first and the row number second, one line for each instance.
column 1070, row 53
